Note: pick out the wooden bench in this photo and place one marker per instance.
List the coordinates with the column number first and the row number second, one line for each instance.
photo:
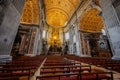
column 77, row 76
column 60, row 64
column 9, row 78
column 102, row 62
column 15, row 73
column 63, row 69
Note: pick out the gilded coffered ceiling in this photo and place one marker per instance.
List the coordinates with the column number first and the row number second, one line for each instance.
column 31, row 13
column 58, row 12
column 91, row 21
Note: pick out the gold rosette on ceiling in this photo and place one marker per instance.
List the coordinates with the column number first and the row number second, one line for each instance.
column 58, row 12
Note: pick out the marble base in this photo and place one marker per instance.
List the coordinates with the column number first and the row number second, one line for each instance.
column 4, row 58
column 116, row 57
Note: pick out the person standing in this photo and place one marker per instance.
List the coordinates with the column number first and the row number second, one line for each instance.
column 66, row 49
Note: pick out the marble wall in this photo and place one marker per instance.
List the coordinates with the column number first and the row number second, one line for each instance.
column 112, row 25
column 9, row 26
column 19, row 4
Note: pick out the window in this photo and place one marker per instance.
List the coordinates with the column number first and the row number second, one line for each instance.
column 43, row 33
column 67, row 36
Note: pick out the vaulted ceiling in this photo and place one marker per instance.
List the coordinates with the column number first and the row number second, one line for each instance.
column 58, row 12
column 91, row 21
column 31, row 12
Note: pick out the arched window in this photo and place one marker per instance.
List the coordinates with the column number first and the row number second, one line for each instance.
column 67, row 36
column 44, row 33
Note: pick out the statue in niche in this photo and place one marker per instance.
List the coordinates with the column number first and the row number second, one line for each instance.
column 102, row 46
column 66, row 48
column 74, row 48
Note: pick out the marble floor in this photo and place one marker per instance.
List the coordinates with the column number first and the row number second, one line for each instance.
column 37, row 73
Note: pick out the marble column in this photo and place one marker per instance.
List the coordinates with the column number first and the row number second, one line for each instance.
column 80, row 43
column 77, row 40
column 88, row 48
column 83, row 44
column 36, row 41
column 8, row 29
column 112, row 26
column 71, row 41
column 39, row 48
column 63, row 36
